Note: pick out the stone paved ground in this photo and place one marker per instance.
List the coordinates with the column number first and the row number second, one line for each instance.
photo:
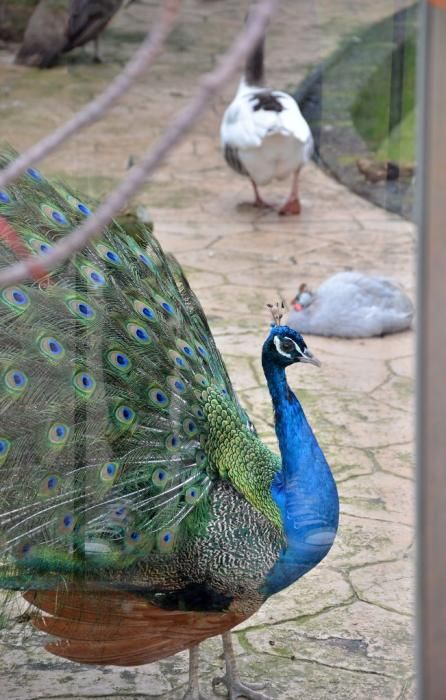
column 345, row 630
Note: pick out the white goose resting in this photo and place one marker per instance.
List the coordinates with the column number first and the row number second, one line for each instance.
column 263, row 134
column 352, row 305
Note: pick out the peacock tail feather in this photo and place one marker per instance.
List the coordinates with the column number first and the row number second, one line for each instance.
column 118, row 419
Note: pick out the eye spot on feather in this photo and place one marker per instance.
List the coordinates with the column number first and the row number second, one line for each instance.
column 178, row 361
column 5, row 446
column 39, row 246
column 192, row 494
column 119, row 360
column 119, row 513
column 4, row 197
column 176, row 384
column 92, row 275
column 84, row 209
column 200, row 458
column 160, row 477
column 198, row 412
column 53, row 215
column 66, row 523
column 23, row 550
column 58, row 434
column 109, row 472
column 125, row 415
column 84, row 384
column 134, row 538
column 189, row 427
column 51, row 348
column 146, row 260
column 165, row 305
column 138, row 333
column 166, row 540
column 34, row 173
column 81, row 309
column 75, row 203
column 16, row 298
column 144, row 310
column 173, row 442
column 50, row 486
column 184, row 348
column 201, row 380
column 108, row 254
column 202, row 351
column 158, row 397
column 16, row 381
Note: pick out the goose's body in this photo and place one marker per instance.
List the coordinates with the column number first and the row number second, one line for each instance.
column 264, row 135
column 352, row 305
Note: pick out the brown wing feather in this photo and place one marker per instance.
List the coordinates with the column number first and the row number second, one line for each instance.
column 119, row 628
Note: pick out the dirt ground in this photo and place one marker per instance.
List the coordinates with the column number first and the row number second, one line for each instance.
column 346, row 629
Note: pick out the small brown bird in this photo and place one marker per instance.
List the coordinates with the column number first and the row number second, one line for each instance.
column 380, row 171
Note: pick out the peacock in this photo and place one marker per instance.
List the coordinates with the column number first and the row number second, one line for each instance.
column 88, row 19
column 140, row 513
column 264, row 135
column 59, row 26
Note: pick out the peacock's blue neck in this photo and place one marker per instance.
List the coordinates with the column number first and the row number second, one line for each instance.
column 304, row 489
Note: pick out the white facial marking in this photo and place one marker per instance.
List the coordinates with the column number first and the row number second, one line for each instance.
column 277, row 340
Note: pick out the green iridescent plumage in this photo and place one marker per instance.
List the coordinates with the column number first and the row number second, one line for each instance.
column 118, row 418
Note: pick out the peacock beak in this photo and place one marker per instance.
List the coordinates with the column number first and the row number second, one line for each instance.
column 309, row 358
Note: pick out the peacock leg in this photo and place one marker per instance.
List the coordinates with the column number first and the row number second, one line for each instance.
column 193, row 689
column 292, row 205
column 259, row 202
column 96, row 55
column 235, row 687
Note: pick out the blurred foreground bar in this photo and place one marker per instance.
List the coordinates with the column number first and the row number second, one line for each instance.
column 431, row 462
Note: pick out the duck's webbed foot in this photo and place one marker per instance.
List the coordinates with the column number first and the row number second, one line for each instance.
column 234, row 686
column 292, row 205
column 290, row 208
column 258, row 202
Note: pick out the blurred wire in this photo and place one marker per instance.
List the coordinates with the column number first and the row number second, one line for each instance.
column 142, row 59
column 33, row 266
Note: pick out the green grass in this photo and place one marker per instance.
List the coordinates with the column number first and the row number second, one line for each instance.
column 400, row 144
column 371, row 110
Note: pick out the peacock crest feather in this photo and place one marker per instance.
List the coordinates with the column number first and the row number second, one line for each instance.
column 118, row 417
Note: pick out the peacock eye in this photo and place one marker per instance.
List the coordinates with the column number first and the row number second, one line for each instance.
column 288, row 345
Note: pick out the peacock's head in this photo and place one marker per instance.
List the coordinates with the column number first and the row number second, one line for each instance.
column 285, row 346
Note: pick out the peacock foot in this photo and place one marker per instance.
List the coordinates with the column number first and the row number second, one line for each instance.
column 290, row 208
column 236, row 689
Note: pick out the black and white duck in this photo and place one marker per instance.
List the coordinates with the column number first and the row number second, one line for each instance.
column 264, row 135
